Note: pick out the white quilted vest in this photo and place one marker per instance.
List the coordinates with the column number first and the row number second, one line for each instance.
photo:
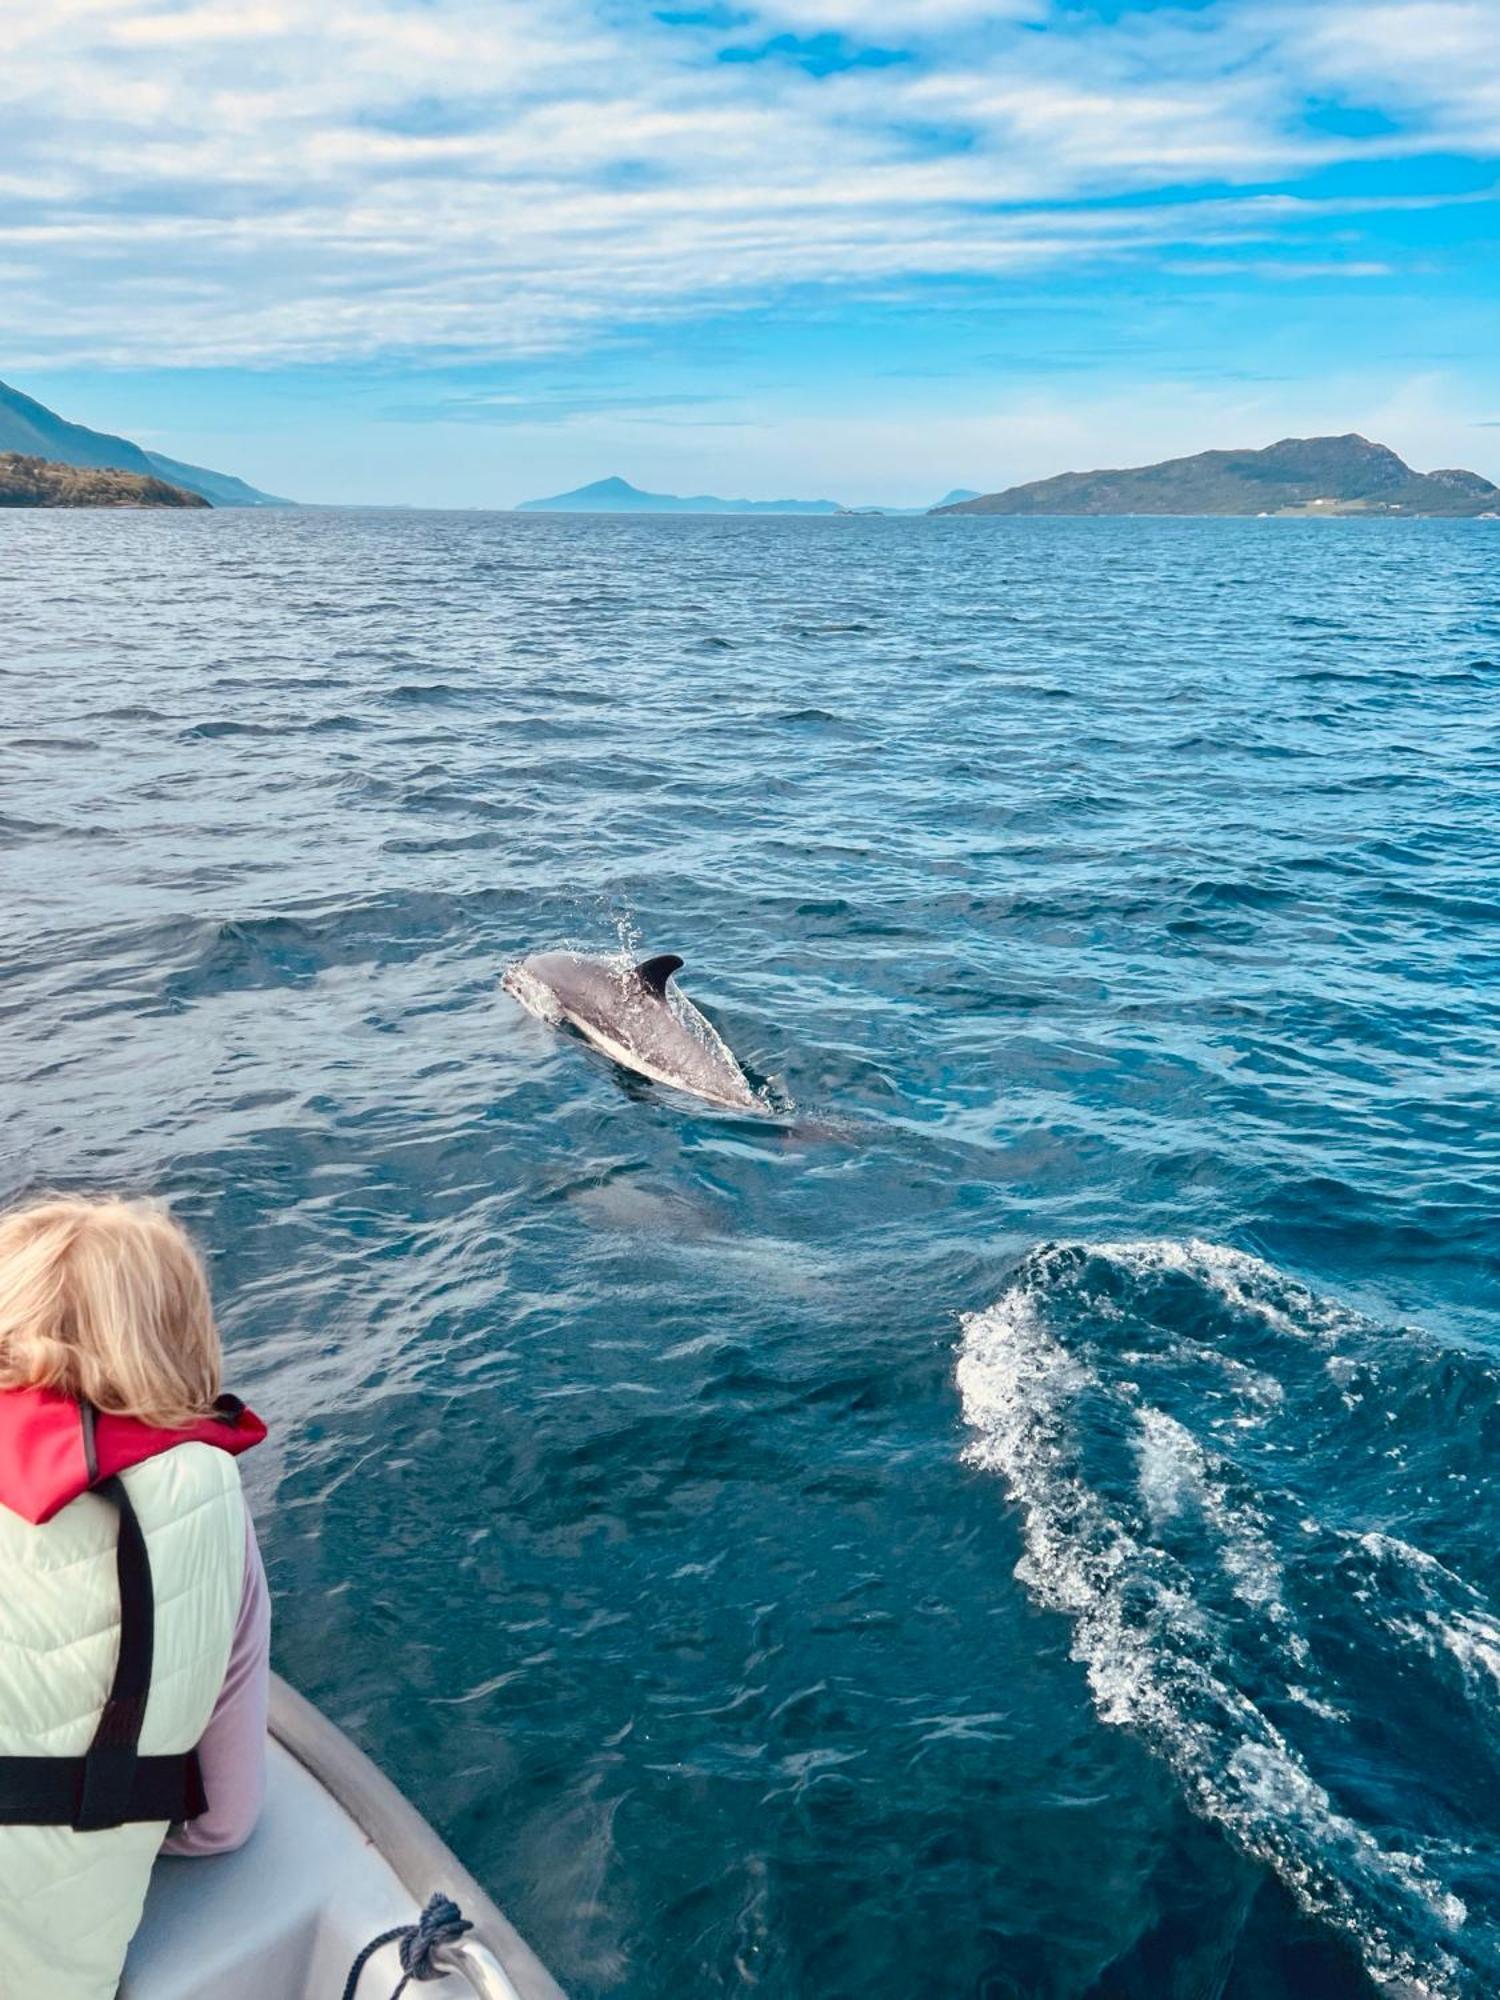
column 70, row 1902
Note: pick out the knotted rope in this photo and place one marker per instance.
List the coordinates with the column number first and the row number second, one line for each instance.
column 442, row 1922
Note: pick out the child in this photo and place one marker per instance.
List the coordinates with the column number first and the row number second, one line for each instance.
column 134, row 1619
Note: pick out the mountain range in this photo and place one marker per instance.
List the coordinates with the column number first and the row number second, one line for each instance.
column 618, row 496
column 1306, row 476
column 32, row 430
column 1297, row 476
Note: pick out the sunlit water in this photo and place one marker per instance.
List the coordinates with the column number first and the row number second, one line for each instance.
column 1022, row 1523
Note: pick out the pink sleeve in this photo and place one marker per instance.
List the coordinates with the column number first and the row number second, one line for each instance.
column 233, row 1749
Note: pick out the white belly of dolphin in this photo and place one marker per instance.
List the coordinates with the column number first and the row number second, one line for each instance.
column 632, row 1059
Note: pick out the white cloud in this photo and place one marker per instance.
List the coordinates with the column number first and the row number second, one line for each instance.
column 272, row 181
column 903, row 20
column 1433, row 62
column 1280, row 269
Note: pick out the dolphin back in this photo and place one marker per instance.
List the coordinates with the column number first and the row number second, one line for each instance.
column 628, row 1013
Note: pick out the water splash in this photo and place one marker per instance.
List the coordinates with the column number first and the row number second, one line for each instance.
column 1168, row 1417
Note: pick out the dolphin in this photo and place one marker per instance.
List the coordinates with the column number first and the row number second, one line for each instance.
column 628, row 1013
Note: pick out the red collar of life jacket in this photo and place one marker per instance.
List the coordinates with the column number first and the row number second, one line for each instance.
column 52, row 1448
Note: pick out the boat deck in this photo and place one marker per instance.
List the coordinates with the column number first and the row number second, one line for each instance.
column 338, row 1857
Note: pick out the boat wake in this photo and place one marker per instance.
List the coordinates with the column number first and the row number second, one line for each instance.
column 1268, row 1520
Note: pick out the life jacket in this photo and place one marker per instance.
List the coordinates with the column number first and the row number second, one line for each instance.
column 52, row 1450
column 90, row 1736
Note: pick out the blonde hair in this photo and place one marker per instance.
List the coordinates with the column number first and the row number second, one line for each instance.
column 107, row 1300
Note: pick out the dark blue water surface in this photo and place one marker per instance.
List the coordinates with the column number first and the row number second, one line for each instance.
column 1022, row 1523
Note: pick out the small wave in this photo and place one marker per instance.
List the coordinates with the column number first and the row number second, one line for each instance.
column 435, row 693
column 210, row 732
column 1203, row 1501
column 1223, row 894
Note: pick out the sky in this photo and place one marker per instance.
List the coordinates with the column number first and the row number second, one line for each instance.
column 466, row 252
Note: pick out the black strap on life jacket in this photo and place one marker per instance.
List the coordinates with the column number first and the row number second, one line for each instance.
column 111, row 1784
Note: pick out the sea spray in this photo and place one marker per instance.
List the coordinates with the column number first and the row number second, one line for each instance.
column 1168, row 1418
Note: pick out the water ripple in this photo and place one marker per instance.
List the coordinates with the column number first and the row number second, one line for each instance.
column 1116, row 883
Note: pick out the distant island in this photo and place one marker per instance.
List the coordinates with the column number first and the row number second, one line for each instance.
column 939, row 507
column 618, row 496
column 1310, row 477
column 29, row 429
column 1299, row 476
column 42, row 482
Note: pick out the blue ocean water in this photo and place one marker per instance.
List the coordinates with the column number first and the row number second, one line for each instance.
column 1020, row 1521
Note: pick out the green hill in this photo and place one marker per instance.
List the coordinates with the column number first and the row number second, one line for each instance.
column 1311, row 476
column 41, row 482
column 31, row 429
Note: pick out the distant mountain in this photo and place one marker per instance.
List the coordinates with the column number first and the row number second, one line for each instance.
column 41, row 482
column 1313, row 476
column 618, row 496
column 947, row 501
column 30, row 428
column 222, row 488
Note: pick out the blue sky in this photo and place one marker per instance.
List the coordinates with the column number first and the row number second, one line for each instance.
column 467, row 251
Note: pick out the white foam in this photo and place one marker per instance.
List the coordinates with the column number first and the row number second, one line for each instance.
column 1137, row 1629
column 1175, row 1467
column 1456, row 1619
column 1241, row 1279
column 1473, row 1639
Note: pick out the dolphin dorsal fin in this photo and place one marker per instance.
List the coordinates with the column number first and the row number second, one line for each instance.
column 653, row 973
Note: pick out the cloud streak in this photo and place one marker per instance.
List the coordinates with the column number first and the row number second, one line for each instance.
column 272, row 183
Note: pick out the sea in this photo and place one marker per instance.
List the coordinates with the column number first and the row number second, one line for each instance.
column 1014, row 1515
